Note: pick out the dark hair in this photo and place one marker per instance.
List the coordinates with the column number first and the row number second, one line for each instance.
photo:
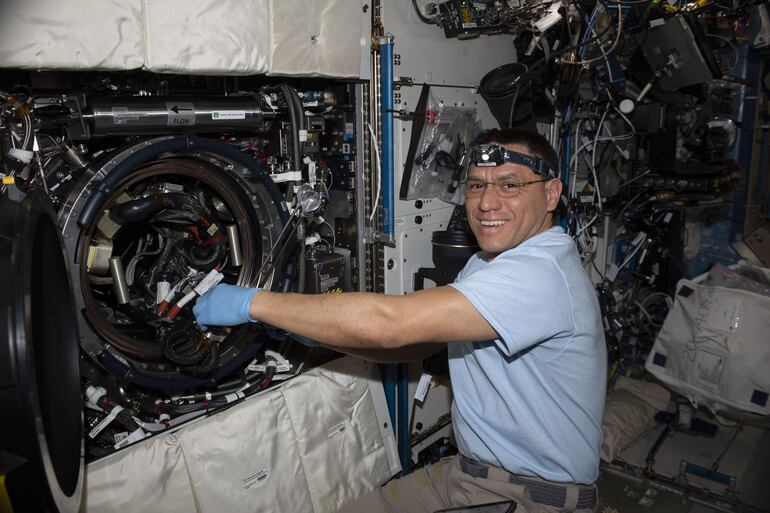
column 537, row 145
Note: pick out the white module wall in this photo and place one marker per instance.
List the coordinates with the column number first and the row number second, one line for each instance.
column 425, row 55
column 206, row 37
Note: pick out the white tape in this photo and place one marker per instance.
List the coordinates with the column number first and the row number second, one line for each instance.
column 133, row 437
column 289, row 176
column 423, row 386
column 105, row 421
column 163, row 289
column 208, row 282
column 234, row 396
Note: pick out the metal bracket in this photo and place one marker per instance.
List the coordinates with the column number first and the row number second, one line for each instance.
column 374, row 236
column 403, row 82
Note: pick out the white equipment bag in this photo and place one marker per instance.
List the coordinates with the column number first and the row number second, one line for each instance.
column 714, row 346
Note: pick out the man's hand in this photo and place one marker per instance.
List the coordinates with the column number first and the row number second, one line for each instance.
column 225, row 305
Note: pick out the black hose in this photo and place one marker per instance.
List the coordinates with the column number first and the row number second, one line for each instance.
column 296, row 117
column 300, row 124
column 105, row 189
column 127, row 374
column 139, row 209
column 288, row 277
column 181, row 346
column 420, row 15
column 302, row 271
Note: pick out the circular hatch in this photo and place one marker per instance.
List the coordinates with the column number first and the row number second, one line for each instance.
column 41, row 436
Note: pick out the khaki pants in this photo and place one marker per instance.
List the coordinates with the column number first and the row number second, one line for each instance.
column 456, row 482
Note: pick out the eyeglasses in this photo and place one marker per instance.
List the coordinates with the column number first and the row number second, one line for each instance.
column 505, row 188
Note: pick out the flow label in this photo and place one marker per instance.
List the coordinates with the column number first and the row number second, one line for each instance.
column 180, row 114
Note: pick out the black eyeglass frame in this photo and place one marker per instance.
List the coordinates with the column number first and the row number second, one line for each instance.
column 517, row 188
column 493, row 155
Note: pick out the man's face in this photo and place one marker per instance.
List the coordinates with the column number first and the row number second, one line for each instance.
column 503, row 223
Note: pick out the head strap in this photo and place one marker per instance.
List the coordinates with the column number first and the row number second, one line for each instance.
column 493, row 155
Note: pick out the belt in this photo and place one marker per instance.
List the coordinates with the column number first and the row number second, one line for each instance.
column 548, row 494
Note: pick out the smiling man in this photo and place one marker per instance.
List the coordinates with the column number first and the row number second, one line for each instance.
column 526, row 349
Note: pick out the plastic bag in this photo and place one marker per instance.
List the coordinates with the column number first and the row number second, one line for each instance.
column 441, row 157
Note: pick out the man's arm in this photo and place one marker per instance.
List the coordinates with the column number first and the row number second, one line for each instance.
column 360, row 320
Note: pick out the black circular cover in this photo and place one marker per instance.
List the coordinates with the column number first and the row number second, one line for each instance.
column 41, row 434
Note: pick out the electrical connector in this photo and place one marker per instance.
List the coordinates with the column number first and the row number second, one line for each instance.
column 203, row 286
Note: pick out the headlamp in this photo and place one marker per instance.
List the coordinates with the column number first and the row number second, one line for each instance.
column 493, row 155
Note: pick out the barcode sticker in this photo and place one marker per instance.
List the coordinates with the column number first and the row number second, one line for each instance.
column 335, row 430
column 256, row 478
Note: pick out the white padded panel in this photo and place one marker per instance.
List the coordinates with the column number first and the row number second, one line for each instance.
column 317, row 38
column 340, row 434
column 246, row 457
column 271, row 453
column 150, row 476
column 206, row 36
column 76, row 34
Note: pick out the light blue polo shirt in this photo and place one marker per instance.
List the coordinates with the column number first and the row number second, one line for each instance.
column 532, row 400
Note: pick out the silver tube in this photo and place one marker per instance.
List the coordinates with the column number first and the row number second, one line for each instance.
column 119, row 280
column 140, row 115
column 236, row 257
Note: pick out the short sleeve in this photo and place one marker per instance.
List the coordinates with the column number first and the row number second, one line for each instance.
column 524, row 297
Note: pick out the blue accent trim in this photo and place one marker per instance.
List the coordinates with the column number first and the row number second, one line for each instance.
column 386, row 106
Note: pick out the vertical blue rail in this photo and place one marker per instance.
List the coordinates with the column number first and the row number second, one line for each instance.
column 390, row 371
column 404, row 448
column 386, row 106
column 389, row 383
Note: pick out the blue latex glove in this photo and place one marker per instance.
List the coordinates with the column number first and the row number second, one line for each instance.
column 224, row 305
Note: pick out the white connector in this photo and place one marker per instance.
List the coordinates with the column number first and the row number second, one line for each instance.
column 93, row 394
